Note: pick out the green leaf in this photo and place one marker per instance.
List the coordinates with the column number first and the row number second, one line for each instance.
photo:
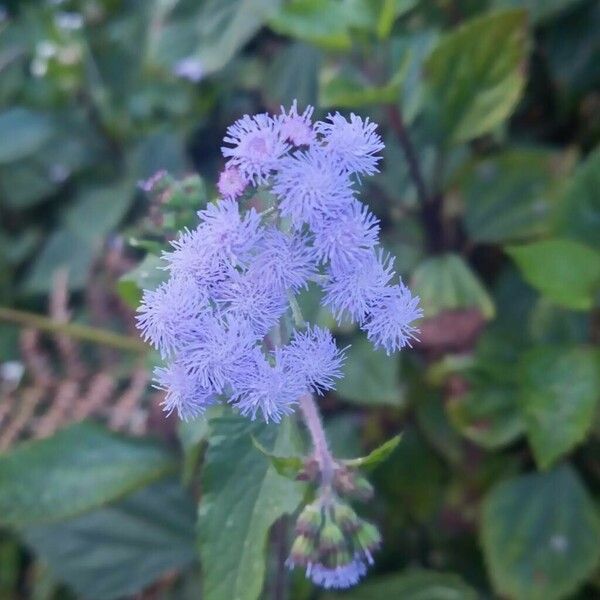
column 243, row 497
column 579, row 217
column 118, row 550
column 389, row 11
column 370, row 377
column 540, row 10
column 286, row 466
column 22, row 132
column 78, row 469
column 324, row 23
column 540, row 535
column 488, row 415
column 447, row 283
column 477, row 73
column 376, row 456
column 148, row 275
column 349, row 88
column 560, row 390
column 411, row 585
column 512, row 195
column 565, row 271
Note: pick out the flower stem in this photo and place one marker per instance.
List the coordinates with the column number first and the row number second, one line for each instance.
column 81, row 332
column 312, row 418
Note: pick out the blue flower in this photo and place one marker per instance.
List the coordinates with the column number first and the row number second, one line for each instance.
column 297, row 128
column 184, row 392
column 389, row 322
column 349, row 293
column 310, row 186
column 314, row 355
column 353, row 144
column 255, row 147
column 270, row 389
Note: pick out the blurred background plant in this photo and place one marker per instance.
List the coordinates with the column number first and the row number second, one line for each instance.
column 490, row 199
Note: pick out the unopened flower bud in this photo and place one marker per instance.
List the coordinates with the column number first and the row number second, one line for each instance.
column 309, row 521
column 331, row 538
column 368, row 538
column 345, row 517
column 302, row 551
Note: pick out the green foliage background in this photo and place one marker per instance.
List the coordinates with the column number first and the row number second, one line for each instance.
column 490, row 198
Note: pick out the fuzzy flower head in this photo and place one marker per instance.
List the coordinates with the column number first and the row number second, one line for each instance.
column 389, row 322
column 231, row 183
column 255, row 146
column 309, row 186
column 315, row 356
column 296, row 128
column 166, row 312
column 272, row 390
column 184, row 392
column 353, row 144
column 284, row 261
column 347, row 239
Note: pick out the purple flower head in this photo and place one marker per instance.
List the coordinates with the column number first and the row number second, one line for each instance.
column 231, row 183
column 296, row 128
column 349, row 293
column 190, row 68
column 272, row 390
column 309, row 186
column 388, row 324
column 353, row 144
column 315, row 357
column 255, row 146
column 253, row 300
column 227, row 233
column 185, row 393
column 345, row 240
column 284, row 261
column 216, row 351
column 340, row 577
column 166, row 312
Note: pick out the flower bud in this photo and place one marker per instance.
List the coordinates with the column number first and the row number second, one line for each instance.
column 367, row 538
column 345, row 517
column 331, row 538
column 309, row 521
column 302, row 551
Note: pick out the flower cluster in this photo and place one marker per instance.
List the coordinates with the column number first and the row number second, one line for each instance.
column 216, row 321
column 333, row 544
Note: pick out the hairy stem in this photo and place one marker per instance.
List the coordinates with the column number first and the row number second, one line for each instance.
column 312, row 418
column 81, row 332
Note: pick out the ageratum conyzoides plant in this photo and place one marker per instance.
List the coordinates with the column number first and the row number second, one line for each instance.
column 229, row 327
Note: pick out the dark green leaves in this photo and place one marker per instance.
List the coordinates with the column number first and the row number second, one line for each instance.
column 477, row 73
column 22, row 132
column 560, row 390
column 540, row 535
column 116, row 551
column 78, row 469
column 243, row 497
column 565, row 271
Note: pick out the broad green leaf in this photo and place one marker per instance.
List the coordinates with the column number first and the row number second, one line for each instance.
column 447, row 283
column 411, row 585
column 565, row 271
column 293, row 75
column 477, row 73
column 118, row 550
column 512, row 195
column 540, row 10
column 579, row 217
column 22, row 132
column 540, row 535
column 389, row 11
column 379, row 455
column 488, row 415
column 224, row 26
column 325, row 23
column 559, row 395
column 96, row 212
column 286, row 466
column 148, row 275
column 242, row 497
column 349, row 88
column 370, row 377
column 79, row 468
